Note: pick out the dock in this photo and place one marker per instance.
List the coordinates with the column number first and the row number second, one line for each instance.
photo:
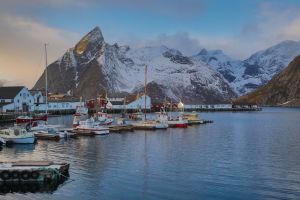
column 33, row 171
column 121, row 128
column 46, row 136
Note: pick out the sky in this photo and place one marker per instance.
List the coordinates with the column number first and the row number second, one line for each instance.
column 238, row 27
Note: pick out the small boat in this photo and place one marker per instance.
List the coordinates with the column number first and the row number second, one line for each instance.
column 17, row 135
column 90, row 125
column 192, row 118
column 52, row 131
column 178, row 123
column 76, row 119
column 104, row 119
column 161, row 119
column 29, row 119
column 136, row 116
column 82, row 109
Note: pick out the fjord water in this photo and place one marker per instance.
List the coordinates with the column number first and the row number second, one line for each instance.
column 244, row 155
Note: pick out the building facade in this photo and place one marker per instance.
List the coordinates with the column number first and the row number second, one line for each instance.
column 16, row 99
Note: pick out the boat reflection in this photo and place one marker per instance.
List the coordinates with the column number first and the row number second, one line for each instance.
column 20, row 147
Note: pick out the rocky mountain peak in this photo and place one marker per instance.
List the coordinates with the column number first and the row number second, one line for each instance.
column 203, row 52
column 94, row 39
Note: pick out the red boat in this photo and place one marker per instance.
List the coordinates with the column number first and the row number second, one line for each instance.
column 29, row 119
column 178, row 123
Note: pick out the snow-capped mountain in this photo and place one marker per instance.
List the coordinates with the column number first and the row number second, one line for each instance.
column 246, row 76
column 283, row 89
column 93, row 67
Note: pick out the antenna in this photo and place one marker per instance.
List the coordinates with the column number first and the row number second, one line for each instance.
column 46, row 78
column 145, row 98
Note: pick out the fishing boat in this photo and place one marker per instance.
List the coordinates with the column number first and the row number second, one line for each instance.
column 104, row 119
column 17, row 135
column 192, row 118
column 28, row 119
column 136, row 116
column 76, row 119
column 179, row 122
column 90, row 125
column 161, row 121
column 51, row 131
column 81, row 108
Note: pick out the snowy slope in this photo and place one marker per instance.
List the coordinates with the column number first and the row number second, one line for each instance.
column 246, row 76
column 94, row 67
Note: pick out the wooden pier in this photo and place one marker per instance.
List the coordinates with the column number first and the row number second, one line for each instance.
column 120, row 128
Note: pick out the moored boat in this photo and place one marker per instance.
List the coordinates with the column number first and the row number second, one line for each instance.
column 178, row 123
column 192, row 118
column 30, row 119
column 104, row 119
column 90, row 125
column 17, row 135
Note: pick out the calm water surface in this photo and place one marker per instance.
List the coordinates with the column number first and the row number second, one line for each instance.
column 253, row 155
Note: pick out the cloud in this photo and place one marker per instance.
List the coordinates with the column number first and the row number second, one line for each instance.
column 21, row 48
column 171, row 8
column 180, row 41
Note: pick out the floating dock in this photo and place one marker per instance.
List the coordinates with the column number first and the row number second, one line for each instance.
column 46, row 136
column 120, row 128
column 33, row 171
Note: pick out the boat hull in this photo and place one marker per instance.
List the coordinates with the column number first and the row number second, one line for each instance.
column 21, row 120
column 25, row 140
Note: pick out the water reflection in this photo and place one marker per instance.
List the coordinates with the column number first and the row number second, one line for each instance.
column 240, row 156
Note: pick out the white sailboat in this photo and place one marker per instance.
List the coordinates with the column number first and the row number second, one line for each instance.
column 149, row 124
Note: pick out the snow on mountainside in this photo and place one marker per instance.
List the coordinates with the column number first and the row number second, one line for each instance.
column 93, row 67
column 246, row 76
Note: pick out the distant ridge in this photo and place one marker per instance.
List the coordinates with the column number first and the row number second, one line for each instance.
column 282, row 90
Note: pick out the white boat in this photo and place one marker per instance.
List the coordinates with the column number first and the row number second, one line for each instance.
column 17, row 135
column 104, row 119
column 90, row 125
column 52, row 131
column 179, row 122
column 161, row 119
column 192, row 118
column 81, row 108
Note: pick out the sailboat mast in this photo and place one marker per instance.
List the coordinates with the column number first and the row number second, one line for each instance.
column 46, row 78
column 145, row 91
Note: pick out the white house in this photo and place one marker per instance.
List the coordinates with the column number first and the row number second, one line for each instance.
column 16, row 98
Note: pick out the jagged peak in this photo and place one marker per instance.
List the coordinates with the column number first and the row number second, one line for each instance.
column 93, row 37
column 203, row 52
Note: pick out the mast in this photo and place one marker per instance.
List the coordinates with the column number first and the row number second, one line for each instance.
column 145, row 92
column 46, row 79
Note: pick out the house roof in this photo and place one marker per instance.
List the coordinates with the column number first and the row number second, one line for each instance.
column 10, row 92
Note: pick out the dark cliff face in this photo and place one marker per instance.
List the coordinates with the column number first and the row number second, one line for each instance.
column 77, row 72
column 283, row 89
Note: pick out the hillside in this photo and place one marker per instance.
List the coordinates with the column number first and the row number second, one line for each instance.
column 283, row 89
